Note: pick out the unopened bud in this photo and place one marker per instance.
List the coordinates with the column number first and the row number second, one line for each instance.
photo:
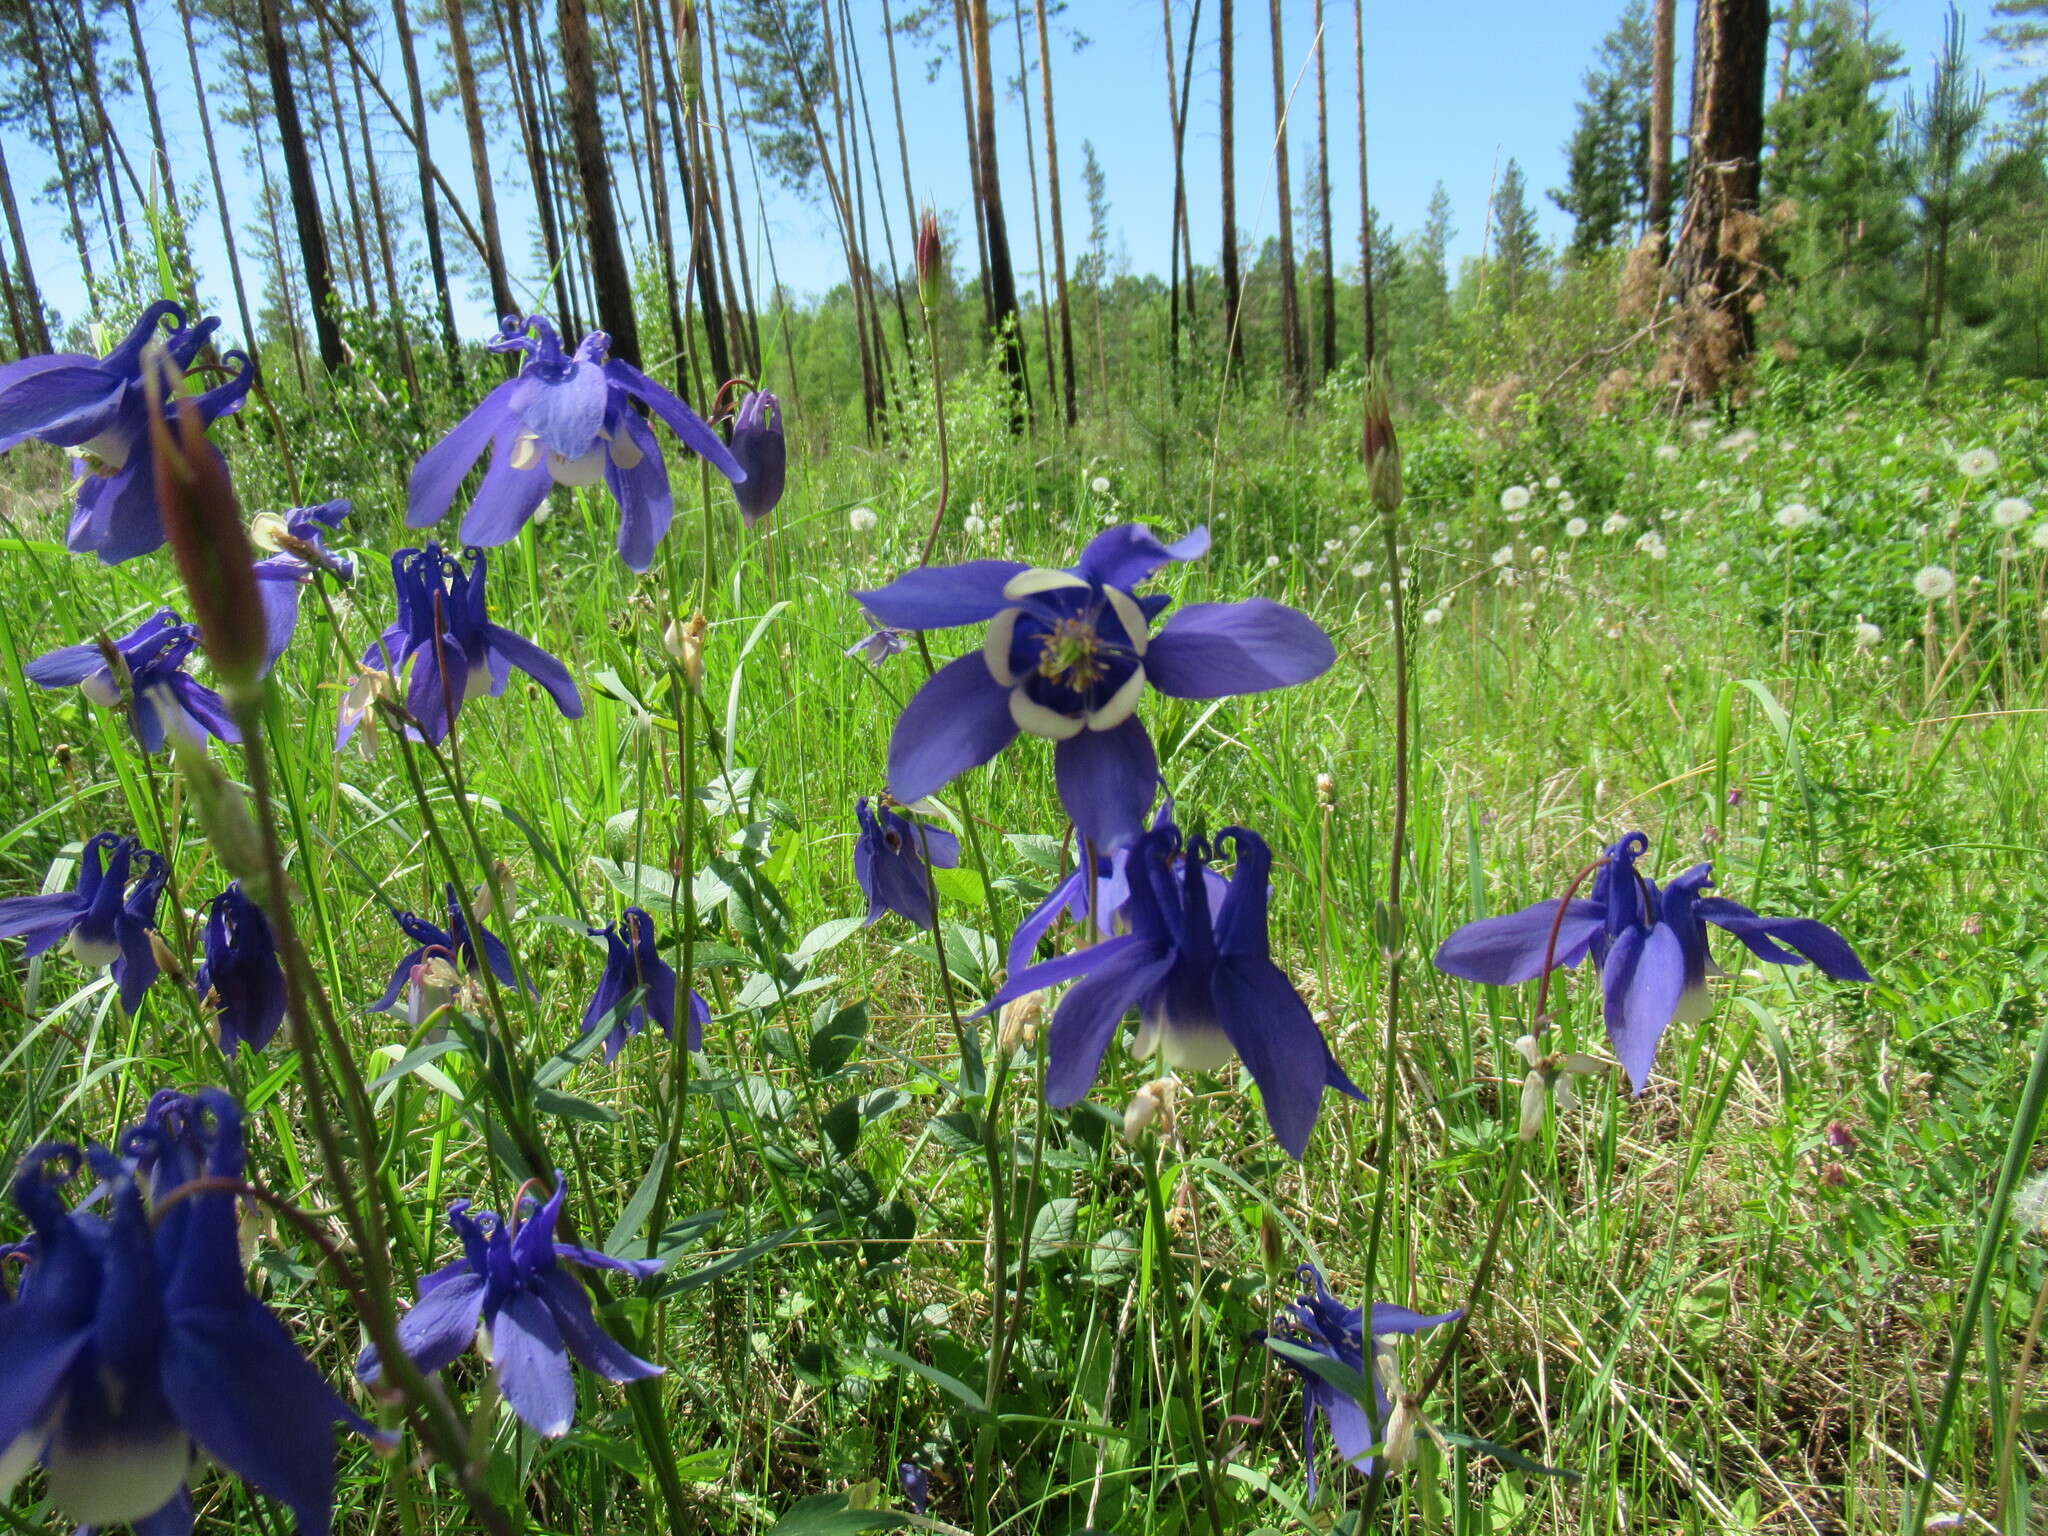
column 434, row 984
column 1326, row 791
column 758, row 444
column 930, row 256
column 166, row 960
column 1272, row 1242
column 684, row 641
column 1382, row 451
column 1401, row 1434
column 203, row 525
column 1535, row 1096
column 500, row 880
column 1151, row 1107
column 1019, row 1026
column 223, row 812
column 686, row 46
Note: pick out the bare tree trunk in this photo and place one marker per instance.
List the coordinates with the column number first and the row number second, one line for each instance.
column 873, row 353
column 1179, row 209
column 79, row 43
column 274, row 226
column 1371, row 345
column 17, row 321
column 67, row 175
column 34, row 334
column 1052, row 382
column 902, row 137
column 746, row 306
column 526, row 108
column 1662, row 46
column 1328, row 235
column 401, row 335
column 298, row 168
column 849, row 156
column 1004, row 295
column 860, row 86
column 1291, row 348
column 1180, row 184
column 147, row 79
column 220, row 191
column 1232, row 283
column 1730, row 44
column 608, row 268
column 348, row 181
column 502, row 298
column 437, row 259
column 1059, row 235
column 988, row 302
column 615, row 59
column 657, row 176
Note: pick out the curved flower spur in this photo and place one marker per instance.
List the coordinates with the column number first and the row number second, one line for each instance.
column 567, row 419
column 1649, row 946
column 1067, row 655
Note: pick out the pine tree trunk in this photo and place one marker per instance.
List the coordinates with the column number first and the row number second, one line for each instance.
column 17, row 321
column 348, row 181
column 502, row 298
column 1657, row 215
column 147, row 79
column 1371, row 345
column 1059, row 234
column 526, row 108
column 1328, row 234
column 1180, row 183
column 437, row 257
column 1291, row 349
column 298, row 168
column 1173, row 120
column 220, row 191
column 860, row 87
column 657, row 175
column 748, row 313
column 615, row 63
column 973, row 142
column 34, row 334
column 281, row 269
column 387, row 258
column 67, row 176
column 695, row 169
column 1004, row 283
column 609, row 273
column 80, row 46
column 1730, row 43
column 1227, row 116
column 1052, row 382
column 902, row 136
column 849, row 157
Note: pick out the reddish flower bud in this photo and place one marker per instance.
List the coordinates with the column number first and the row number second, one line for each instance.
column 203, row 524
column 1382, row 452
column 930, row 254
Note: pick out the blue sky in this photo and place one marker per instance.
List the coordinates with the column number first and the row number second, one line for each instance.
column 1454, row 89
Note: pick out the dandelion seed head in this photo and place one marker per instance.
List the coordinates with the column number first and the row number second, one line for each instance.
column 2011, row 511
column 1795, row 515
column 1576, row 528
column 861, row 519
column 1977, row 463
column 1514, row 498
column 1934, row 582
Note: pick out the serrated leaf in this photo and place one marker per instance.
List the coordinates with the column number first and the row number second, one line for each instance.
column 1054, row 1226
column 958, row 1132
column 828, row 1514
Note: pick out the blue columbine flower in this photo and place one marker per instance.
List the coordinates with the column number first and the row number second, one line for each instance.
column 758, row 445
column 633, row 968
column 1066, row 656
column 452, row 944
column 1324, row 1324
column 889, row 861
column 1650, row 947
column 130, row 1348
column 564, row 421
column 445, row 635
column 240, row 976
column 1205, row 988
column 298, row 537
column 161, row 696
column 106, row 923
column 879, row 644
column 97, row 407
column 917, row 1486
column 509, row 1284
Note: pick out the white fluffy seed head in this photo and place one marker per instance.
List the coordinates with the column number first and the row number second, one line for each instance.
column 1934, row 582
column 2011, row 511
column 1977, row 463
column 861, row 519
column 1514, row 498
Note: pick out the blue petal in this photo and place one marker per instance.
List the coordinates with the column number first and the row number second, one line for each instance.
column 117, row 517
column 66, row 666
column 34, row 1356
column 1643, row 978
column 1085, row 1022
column 1387, row 1317
column 61, row 398
column 646, row 505
column 533, row 1365
column 1107, row 782
column 1214, row 650
column 1815, row 940
column 566, row 412
column 598, row 1351
column 26, row 914
column 958, row 720
column 280, row 600
column 1504, row 951
column 508, row 649
column 1274, row 1032
column 440, row 471
column 174, row 1519
column 440, row 1326
column 1131, row 553
column 941, row 596
column 508, row 496
column 696, row 435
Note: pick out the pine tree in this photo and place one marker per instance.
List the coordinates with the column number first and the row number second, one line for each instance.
column 1517, row 248
column 2022, row 34
column 1608, row 155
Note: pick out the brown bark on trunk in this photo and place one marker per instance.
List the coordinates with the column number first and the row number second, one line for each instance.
column 387, row 258
column 613, row 281
column 973, row 142
column 1227, row 120
column 480, row 152
column 1002, row 279
column 220, row 191
column 1371, row 342
column 526, row 108
column 1291, row 350
column 298, row 170
column 1657, row 213
column 437, row 258
column 35, row 330
column 1327, row 234
column 66, row 175
column 1052, row 383
column 748, row 316
column 1059, row 234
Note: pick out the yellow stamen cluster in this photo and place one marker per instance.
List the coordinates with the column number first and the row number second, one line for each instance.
column 1072, row 655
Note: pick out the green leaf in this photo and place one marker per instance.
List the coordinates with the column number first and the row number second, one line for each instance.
column 957, row 1132
column 827, row 935
column 1506, row 1456
column 1339, row 1375
column 952, row 1386
column 566, row 1060
column 550, row 1101
column 1054, row 1225
column 683, row 1284
column 827, row 1514
column 961, row 885
column 413, row 1060
column 631, row 1219
column 835, row 1042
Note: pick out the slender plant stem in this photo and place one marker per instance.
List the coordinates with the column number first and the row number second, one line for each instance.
column 1185, row 1371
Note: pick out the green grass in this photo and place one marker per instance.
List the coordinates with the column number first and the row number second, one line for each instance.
column 1718, row 1319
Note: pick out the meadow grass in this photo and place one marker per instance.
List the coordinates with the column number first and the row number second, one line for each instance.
column 1729, row 1304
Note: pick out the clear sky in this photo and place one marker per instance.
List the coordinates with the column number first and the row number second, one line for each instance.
column 1454, row 88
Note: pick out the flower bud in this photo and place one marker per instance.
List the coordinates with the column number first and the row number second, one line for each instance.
column 434, row 984
column 1150, row 1107
column 1535, row 1096
column 203, row 525
column 1382, row 451
column 686, row 48
column 1326, row 791
column 930, row 254
column 359, row 707
column 223, row 812
column 684, row 641
column 166, row 960
column 1401, row 1434
column 757, row 443
column 1019, row 1026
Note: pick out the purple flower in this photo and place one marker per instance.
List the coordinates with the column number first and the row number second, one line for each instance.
column 758, row 446
column 1066, row 656
column 97, row 407
column 1650, row 947
column 917, row 1486
column 451, row 944
column 444, row 634
column 635, row 971
column 563, row 421
column 160, row 695
column 132, row 1348
column 240, row 976
column 105, row 922
column 301, row 556
column 878, row 646
column 537, row 1315
column 1319, row 1321
column 889, row 861
column 1205, row 988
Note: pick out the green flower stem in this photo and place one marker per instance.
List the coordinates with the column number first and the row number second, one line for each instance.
column 1185, row 1336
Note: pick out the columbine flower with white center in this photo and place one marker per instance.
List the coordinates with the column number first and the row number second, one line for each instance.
column 1934, row 582
column 1514, row 499
column 104, row 922
column 861, row 519
column 1795, row 515
column 565, row 420
column 299, row 555
column 1067, row 655
column 160, row 696
column 1977, row 463
column 2011, row 511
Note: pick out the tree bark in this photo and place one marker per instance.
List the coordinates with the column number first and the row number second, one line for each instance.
column 1371, row 344
column 348, row 181
column 220, row 191
column 281, row 269
column 1052, row 382
column 1059, row 234
column 401, row 335
column 146, row 77
column 1003, row 280
column 1657, row 215
column 608, row 270
column 479, row 147
column 748, row 315
column 657, row 176
column 67, row 179
column 526, row 107
column 1328, row 235
column 860, row 87
column 973, row 143
column 1227, row 118
column 1179, row 208
column 298, row 168
column 35, row 330
column 437, row 258
column 1291, row 348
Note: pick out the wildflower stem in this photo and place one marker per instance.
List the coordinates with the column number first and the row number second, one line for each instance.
column 1188, row 1364
column 931, row 540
